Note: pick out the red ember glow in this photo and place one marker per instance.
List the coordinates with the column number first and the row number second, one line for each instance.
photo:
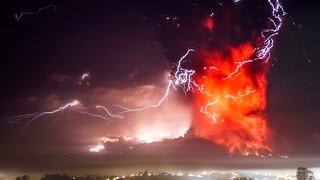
column 208, row 23
column 232, row 107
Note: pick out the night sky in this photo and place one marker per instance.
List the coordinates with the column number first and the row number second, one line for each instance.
column 128, row 48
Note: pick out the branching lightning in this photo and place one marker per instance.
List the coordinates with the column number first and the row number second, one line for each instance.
column 37, row 115
column 189, row 82
column 127, row 110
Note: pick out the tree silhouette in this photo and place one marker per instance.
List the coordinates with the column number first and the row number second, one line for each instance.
column 25, row 177
column 304, row 174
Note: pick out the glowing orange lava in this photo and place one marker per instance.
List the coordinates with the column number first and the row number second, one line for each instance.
column 233, row 102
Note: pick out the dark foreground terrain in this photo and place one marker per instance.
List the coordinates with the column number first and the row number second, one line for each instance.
column 302, row 173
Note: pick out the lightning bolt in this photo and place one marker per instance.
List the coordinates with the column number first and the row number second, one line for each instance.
column 263, row 52
column 31, row 117
column 182, row 77
column 18, row 16
column 108, row 112
column 164, row 97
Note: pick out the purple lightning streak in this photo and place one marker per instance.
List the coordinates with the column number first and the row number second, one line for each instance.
column 263, row 52
column 204, row 110
column 108, row 112
column 19, row 16
column 182, row 76
column 34, row 116
column 239, row 94
column 165, row 96
column 217, row 100
column 95, row 115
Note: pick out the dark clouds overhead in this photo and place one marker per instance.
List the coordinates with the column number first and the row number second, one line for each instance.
column 128, row 48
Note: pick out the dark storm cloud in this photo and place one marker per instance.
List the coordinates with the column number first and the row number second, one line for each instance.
column 123, row 63
column 127, row 47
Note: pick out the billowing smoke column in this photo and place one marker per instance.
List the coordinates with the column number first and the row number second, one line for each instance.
column 228, row 86
column 230, row 90
column 232, row 107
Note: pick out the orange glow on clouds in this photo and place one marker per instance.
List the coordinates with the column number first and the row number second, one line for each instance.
column 232, row 108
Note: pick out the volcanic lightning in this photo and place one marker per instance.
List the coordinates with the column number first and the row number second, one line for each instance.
column 232, row 107
column 18, row 16
column 229, row 91
column 37, row 115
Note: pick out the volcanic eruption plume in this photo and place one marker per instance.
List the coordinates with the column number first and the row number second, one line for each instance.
column 229, row 86
column 226, row 78
column 231, row 109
